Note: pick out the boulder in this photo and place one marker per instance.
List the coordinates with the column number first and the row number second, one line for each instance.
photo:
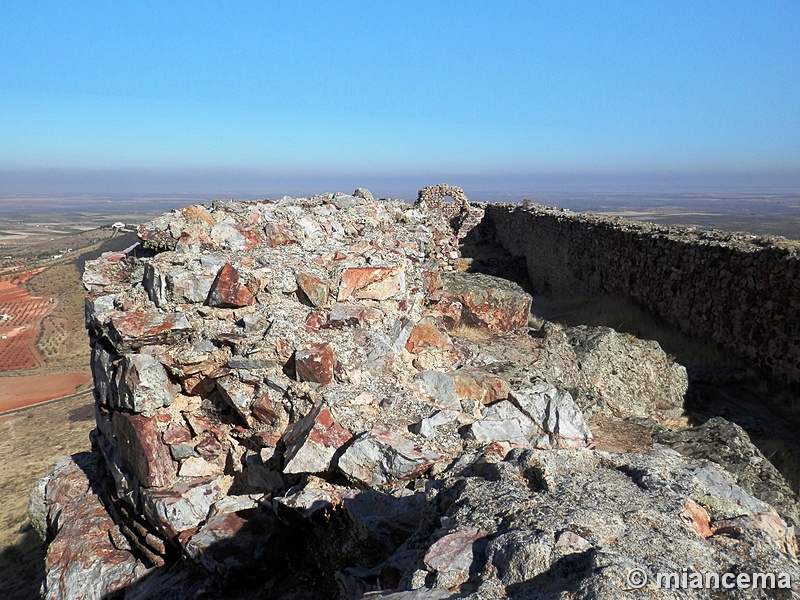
column 632, row 377
column 382, row 456
column 486, row 302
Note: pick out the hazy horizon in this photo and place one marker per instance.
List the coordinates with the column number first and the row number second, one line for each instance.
column 131, row 183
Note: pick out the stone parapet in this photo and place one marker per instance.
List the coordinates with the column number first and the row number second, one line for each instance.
column 740, row 291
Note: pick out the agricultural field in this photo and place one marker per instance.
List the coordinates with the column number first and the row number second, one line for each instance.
column 21, row 317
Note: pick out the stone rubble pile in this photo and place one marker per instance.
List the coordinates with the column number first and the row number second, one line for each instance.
column 311, row 398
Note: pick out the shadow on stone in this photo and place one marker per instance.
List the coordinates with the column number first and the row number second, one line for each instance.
column 272, row 552
column 565, row 575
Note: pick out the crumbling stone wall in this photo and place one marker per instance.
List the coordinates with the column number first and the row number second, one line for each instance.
column 739, row 290
column 294, row 399
column 450, row 222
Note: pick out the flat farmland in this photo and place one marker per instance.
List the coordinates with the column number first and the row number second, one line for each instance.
column 21, row 317
column 29, row 390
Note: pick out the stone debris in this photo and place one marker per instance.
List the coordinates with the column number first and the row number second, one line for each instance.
column 312, row 442
column 315, row 398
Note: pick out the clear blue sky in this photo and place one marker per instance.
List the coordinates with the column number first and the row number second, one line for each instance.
column 234, row 92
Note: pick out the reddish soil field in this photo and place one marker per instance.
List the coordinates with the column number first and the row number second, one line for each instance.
column 18, row 392
column 22, row 278
column 20, row 323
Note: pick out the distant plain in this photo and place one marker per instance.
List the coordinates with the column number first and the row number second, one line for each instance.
column 754, row 212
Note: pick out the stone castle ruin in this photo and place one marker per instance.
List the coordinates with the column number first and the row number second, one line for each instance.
column 739, row 291
column 319, row 398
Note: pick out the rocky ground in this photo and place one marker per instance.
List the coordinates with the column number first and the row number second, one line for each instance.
column 320, row 398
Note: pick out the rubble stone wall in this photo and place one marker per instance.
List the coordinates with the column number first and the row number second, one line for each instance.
column 308, row 398
column 739, row 290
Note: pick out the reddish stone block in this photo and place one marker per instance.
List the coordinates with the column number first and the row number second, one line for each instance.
column 200, row 424
column 314, row 322
column 139, row 443
column 88, row 546
column 428, row 334
column 696, row 517
column 131, row 330
column 312, row 442
column 277, row 235
column 313, row 288
column 252, row 238
column 264, row 410
column 378, row 283
column 228, row 291
column 209, row 448
column 176, row 434
column 315, row 363
column 433, row 285
column 488, row 302
column 497, row 314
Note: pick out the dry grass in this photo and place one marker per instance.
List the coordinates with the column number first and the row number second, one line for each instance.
column 472, row 334
column 613, row 435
